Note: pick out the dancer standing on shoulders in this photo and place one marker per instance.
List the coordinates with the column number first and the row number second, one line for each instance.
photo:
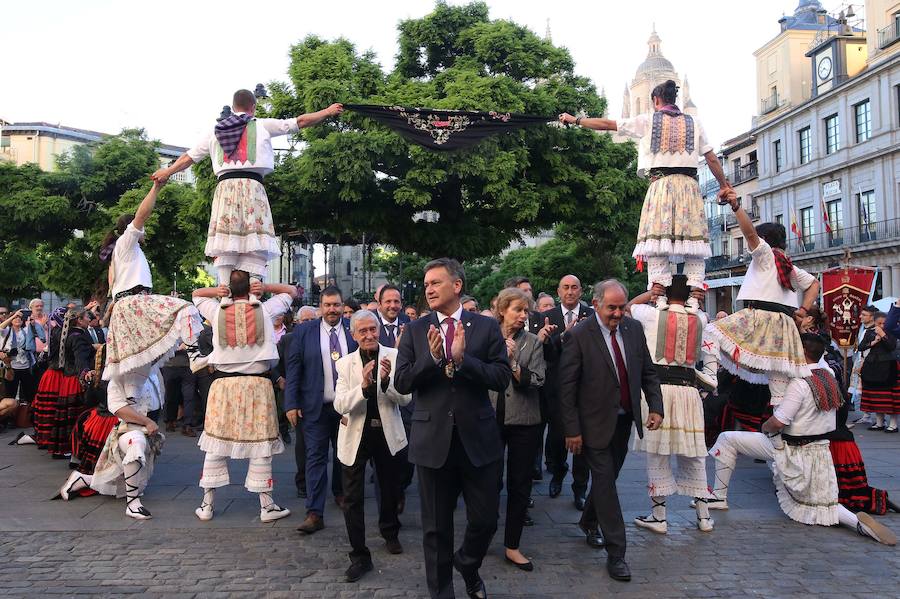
column 241, row 235
column 144, row 329
column 761, row 343
column 673, row 220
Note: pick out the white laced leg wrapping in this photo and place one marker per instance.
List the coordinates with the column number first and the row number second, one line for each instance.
column 726, row 450
column 259, row 476
column 695, row 271
column 659, row 271
column 133, row 447
column 215, row 472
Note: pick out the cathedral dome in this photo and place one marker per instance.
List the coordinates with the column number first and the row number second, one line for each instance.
column 655, row 64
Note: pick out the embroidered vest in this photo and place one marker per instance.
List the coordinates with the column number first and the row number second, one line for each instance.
column 245, row 150
column 672, row 133
column 241, row 325
column 679, row 336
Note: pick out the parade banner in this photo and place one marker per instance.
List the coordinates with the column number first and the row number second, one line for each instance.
column 846, row 291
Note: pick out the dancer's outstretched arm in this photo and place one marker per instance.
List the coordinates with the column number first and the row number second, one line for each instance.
column 595, row 123
column 163, row 174
column 147, row 205
column 314, row 118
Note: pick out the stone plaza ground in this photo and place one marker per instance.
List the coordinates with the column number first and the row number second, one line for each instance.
column 87, row 547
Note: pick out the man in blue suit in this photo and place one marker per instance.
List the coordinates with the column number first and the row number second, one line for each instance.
column 311, row 378
column 449, row 361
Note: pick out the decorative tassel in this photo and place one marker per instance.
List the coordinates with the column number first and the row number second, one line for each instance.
column 640, row 264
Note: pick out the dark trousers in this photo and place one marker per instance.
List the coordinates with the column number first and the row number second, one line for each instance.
column 372, row 446
column 407, row 468
column 180, row 382
column 602, row 506
column 321, row 433
column 522, row 443
column 24, row 383
column 556, row 455
column 439, row 489
column 204, row 382
column 300, row 456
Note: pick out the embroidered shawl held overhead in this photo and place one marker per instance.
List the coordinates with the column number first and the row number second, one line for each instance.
column 445, row 130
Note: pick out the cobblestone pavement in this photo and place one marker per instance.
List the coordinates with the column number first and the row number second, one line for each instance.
column 87, row 547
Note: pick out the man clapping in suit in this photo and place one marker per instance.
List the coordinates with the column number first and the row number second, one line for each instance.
column 605, row 364
column 449, row 360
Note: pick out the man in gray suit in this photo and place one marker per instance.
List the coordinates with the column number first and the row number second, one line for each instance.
column 605, row 364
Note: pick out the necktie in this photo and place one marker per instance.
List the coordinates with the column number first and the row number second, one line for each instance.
column 624, row 388
column 448, row 339
column 392, row 339
column 569, row 316
column 335, row 348
column 93, row 334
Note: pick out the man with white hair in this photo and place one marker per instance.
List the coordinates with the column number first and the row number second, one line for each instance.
column 372, row 429
column 306, row 313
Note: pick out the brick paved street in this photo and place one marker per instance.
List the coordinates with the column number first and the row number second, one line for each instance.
column 88, row 547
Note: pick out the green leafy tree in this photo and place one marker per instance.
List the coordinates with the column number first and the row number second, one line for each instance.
column 356, row 177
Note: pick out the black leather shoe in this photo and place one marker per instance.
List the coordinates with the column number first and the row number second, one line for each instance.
column 579, row 502
column 618, row 569
column 592, row 536
column 531, row 502
column 537, row 474
column 555, row 487
column 528, row 521
column 393, row 546
column 474, row 584
column 357, row 570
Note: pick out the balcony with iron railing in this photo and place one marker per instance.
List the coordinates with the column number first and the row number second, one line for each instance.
column 885, row 230
column 771, row 104
column 889, row 34
column 746, row 172
column 726, row 261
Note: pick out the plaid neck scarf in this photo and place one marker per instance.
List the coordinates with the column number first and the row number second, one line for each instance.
column 785, row 267
column 229, row 130
column 825, row 390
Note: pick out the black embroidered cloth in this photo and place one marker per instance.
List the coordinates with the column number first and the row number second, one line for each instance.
column 445, row 130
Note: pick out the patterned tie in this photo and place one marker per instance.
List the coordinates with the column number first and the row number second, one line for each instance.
column 569, row 316
column 624, row 388
column 334, row 346
column 392, row 339
column 448, row 339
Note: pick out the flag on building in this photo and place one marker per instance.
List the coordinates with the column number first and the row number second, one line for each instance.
column 796, row 229
column 825, row 216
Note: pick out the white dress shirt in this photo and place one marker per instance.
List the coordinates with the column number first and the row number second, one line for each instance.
column 325, row 345
column 442, row 327
column 129, row 264
column 799, row 413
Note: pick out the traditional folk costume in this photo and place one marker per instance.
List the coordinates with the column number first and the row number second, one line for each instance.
column 803, row 471
column 675, row 339
column 94, row 424
column 241, row 419
column 761, row 343
column 241, row 235
column 673, row 221
column 58, row 401
column 144, row 330
column 878, row 375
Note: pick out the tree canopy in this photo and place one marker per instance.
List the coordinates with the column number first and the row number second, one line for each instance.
column 355, row 176
column 55, row 221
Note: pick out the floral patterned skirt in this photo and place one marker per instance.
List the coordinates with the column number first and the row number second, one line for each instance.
column 753, row 343
column 673, row 221
column 241, row 421
column 146, row 330
column 241, row 221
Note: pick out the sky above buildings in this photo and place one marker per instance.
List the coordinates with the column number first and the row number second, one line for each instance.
column 170, row 66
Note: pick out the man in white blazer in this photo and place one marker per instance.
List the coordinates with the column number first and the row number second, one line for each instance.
column 371, row 428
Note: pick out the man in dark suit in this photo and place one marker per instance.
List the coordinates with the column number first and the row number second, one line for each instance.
column 449, row 360
column 314, row 348
column 565, row 316
column 604, row 366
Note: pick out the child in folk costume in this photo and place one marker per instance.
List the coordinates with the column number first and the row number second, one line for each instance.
column 795, row 439
column 144, row 329
column 673, row 220
column 241, row 419
column 241, row 235
column 674, row 333
column 761, row 342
